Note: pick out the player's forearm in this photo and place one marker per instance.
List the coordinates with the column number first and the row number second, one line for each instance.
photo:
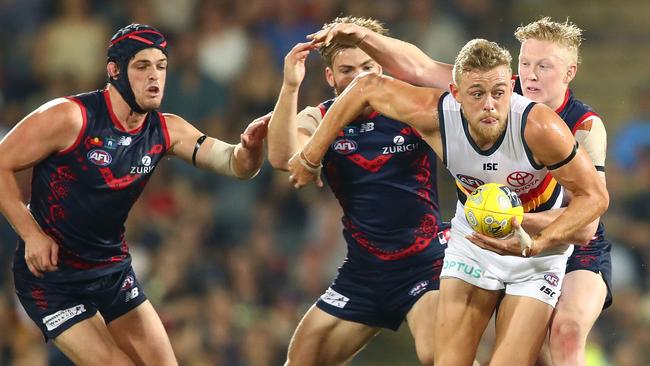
column 247, row 161
column 13, row 209
column 407, row 62
column 282, row 134
column 535, row 222
column 345, row 109
column 581, row 212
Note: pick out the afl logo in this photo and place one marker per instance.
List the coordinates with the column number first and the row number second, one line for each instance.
column 469, row 181
column 519, row 179
column 99, row 157
column 344, row 146
column 398, row 140
column 552, row 279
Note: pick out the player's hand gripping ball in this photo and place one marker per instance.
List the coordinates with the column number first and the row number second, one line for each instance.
column 490, row 208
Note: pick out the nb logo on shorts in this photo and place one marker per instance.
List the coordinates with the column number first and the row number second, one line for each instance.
column 131, row 294
column 334, row 298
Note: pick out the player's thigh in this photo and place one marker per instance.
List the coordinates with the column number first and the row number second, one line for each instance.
column 582, row 299
column 462, row 314
column 90, row 343
column 323, row 339
column 521, row 326
column 141, row 334
column 421, row 322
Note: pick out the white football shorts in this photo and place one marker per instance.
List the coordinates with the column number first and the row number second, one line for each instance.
column 539, row 277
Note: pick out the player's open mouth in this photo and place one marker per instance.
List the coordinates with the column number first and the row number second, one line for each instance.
column 533, row 90
column 153, row 90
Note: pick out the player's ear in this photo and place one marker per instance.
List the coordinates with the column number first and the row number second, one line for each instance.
column 329, row 75
column 112, row 69
column 454, row 91
column 570, row 73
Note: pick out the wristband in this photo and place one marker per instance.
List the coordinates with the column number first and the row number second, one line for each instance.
column 311, row 167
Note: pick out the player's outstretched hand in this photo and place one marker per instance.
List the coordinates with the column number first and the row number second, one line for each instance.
column 344, row 33
column 519, row 244
column 294, row 64
column 301, row 172
column 41, row 254
column 253, row 136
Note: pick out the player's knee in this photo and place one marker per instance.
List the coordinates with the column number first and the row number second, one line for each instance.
column 567, row 332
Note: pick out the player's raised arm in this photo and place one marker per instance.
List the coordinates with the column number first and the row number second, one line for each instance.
column 403, row 60
column 51, row 128
column 284, row 136
column 242, row 160
column 385, row 95
column 573, row 169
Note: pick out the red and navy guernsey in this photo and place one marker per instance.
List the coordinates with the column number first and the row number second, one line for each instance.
column 384, row 176
column 81, row 196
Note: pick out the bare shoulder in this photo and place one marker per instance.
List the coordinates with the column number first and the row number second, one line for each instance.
column 60, row 119
column 177, row 124
column 180, row 130
column 61, row 112
column 548, row 137
column 173, row 119
column 543, row 123
column 56, row 125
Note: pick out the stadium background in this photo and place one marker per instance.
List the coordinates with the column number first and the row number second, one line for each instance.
column 231, row 266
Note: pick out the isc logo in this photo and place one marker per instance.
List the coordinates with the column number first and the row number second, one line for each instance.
column 99, row 157
column 548, row 291
column 344, row 146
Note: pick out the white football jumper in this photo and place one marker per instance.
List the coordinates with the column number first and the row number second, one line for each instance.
column 509, row 162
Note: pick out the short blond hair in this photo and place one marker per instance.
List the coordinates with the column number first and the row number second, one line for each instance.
column 566, row 34
column 482, row 55
column 330, row 51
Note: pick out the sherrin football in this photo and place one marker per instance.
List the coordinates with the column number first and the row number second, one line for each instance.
column 490, row 207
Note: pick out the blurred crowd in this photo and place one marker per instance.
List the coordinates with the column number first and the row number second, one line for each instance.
column 231, row 266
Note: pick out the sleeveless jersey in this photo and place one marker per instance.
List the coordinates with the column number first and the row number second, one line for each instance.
column 384, row 176
column 573, row 112
column 509, row 161
column 81, row 196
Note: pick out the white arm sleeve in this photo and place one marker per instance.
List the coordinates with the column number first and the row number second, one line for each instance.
column 309, row 119
column 591, row 135
column 220, row 158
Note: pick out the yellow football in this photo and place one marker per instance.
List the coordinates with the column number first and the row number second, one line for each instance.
column 490, row 208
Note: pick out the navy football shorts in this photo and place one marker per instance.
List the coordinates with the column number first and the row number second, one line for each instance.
column 55, row 307
column 379, row 297
column 595, row 257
